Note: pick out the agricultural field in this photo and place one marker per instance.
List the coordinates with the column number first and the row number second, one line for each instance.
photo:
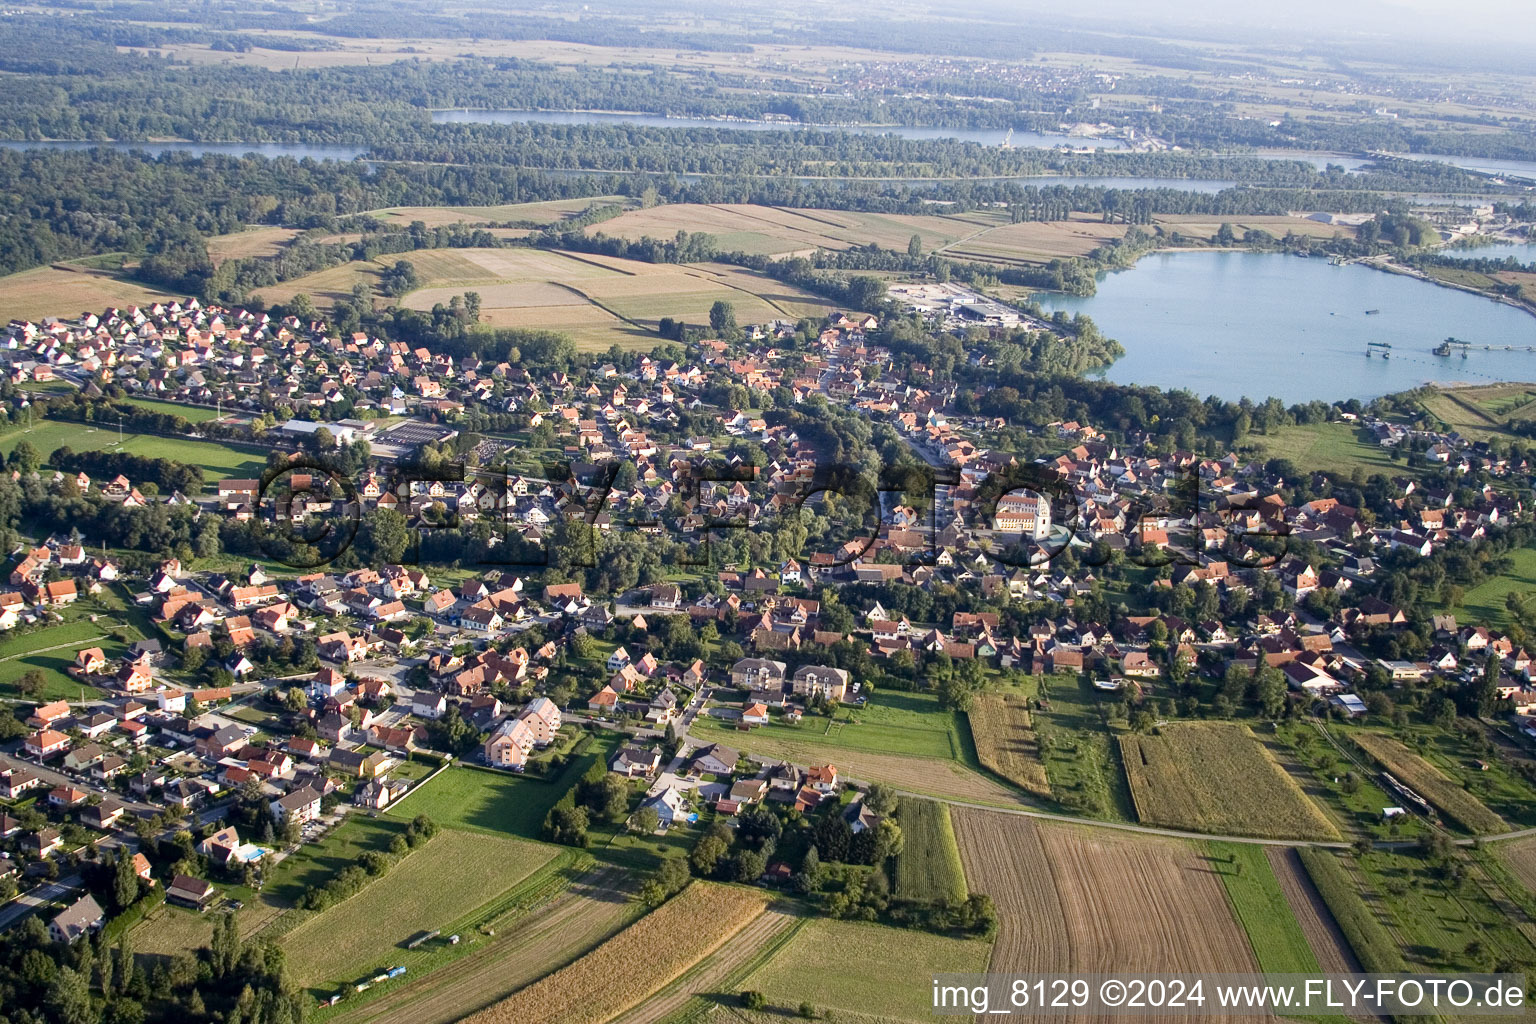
column 1338, row 448
column 636, row 963
column 1417, row 774
column 544, row 213
column 778, row 231
column 886, row 977
column 1261, row 908
column 1217, row 778
column 216, row 459
column 1372, row 946
column 1519, row 856
column 68, row 290
column 1324, row 937
column 1064, row 904
column 1005, row 740
column 429, row 888
column 1035, row 242
column 546, row 936
column 1203, row 226
column 928, row 868
column 598, row 301
column 485, row 800
column 1483, row 411
column 326, row 286
column 252, row 243
column 722, row 972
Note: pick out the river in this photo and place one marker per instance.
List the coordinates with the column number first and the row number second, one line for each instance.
column 1259, row 324
column 1523, row 169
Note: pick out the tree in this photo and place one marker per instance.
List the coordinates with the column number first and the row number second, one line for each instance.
column 31, row 683
column 915, row 246
column 711, row 848
column 645, row 821
column 125, row 883
column 24, row 458
column 881, row 799
column 752, row 999
column 722, row 318
column 1488, row 688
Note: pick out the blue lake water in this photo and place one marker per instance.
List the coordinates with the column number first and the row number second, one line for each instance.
column 1524, row 169
column 1525, row 252
column 1261, row 324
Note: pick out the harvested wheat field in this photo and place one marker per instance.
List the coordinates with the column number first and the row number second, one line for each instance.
column 550, row 212
column 1037, row 241
column 1419, row 775
column 67, row 291
column 251, row 243
column 1520, row 857
column 1006, row 742
column 1076, row 899
column 1217, row 777
column 739, row 951
column 590, row 912
column 1323, row 935
column 636, row 963
column 773, row 231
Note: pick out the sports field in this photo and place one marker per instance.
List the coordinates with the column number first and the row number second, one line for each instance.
column 429, row 888
column 217, row 460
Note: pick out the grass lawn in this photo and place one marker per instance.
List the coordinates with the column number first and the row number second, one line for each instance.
column 190, row 413
column 24, row 652
column 1332, row 447
column 1081, row 762
column 216, row 459
column 892, row 722
column 485, row 800
column 1278, row 941
column 1484, row 603
column 317, row 863
column 882, row 981
column 429, row 888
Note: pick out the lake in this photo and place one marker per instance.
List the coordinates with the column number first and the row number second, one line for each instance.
column 1525, row 169
column 271, row 150
column 984, row 136
column 1259, row 324
column 1524, row 252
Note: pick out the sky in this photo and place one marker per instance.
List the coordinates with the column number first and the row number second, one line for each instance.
column 1500, row 23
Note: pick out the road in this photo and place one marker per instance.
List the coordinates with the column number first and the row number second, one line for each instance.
column 41, row 896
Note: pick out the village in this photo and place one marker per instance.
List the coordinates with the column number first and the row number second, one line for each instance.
column 306, row 694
